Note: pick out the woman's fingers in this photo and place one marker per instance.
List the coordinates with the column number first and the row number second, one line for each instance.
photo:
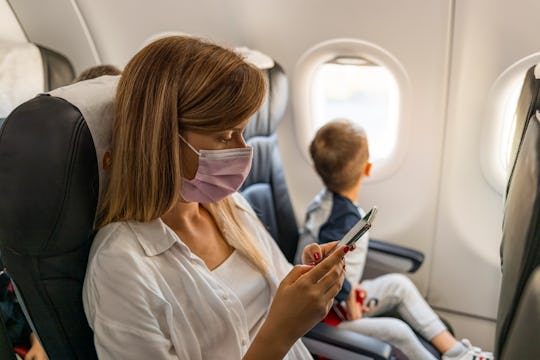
column 296, row 272
column 331, row 283
column 321, row 269
column 328, row 248
column 312, row 254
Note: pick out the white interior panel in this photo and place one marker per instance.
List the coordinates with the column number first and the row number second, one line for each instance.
column 466, row 267
column 100, row 31
column 58, row 25
column 10, row 30
column 121, row 27
column 479, row 331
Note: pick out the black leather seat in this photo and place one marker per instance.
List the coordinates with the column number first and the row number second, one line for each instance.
column 46, row 224
column 265, row 188
column 57, row 71
column 518, row 320
column 49, row 185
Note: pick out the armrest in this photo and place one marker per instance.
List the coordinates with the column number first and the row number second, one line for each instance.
column 392, row 258
column 336, row 343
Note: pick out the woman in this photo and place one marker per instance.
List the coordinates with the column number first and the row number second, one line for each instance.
column 181, row 267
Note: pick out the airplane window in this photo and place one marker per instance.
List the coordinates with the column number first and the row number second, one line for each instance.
column 362, row 91
column 361, row 81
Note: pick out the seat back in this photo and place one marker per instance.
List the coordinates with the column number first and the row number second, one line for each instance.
column 49, row 186
column 57, row 69
column 265, row 187
column 518, row 320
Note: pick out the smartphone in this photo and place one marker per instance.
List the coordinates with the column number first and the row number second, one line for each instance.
column 358, row 229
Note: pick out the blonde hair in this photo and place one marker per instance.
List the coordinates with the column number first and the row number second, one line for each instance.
column 339, row 150
column 173, row 84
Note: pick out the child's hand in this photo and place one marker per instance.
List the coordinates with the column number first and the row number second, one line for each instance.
column 314, row 253
column 355, row 303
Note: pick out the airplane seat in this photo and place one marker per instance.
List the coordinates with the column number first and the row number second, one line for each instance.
column 518, row 318
column 49, row 186
column 57, row 69
column 27, row 69
column 265, row 187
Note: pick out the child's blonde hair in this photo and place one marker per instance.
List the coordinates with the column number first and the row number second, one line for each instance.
column 339, row 151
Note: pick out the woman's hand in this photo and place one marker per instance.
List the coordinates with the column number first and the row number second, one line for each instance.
column 303, row 298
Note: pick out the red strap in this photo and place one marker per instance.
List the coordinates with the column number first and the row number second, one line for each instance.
column 21, row 351
column 332, row 318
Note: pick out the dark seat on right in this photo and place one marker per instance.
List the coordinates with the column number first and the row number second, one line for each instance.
column 518, row 320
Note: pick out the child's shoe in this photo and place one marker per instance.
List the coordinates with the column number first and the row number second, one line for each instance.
column 471, row 353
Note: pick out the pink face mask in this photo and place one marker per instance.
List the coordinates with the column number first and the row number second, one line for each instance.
column 220, row 173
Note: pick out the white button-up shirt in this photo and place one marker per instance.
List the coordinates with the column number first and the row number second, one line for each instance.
column 147, row 296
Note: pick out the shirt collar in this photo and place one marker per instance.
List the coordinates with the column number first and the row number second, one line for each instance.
column 154, row 237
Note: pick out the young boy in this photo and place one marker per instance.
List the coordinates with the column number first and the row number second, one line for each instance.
column 341, row 158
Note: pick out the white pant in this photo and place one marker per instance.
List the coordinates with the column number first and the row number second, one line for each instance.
column 396, row 291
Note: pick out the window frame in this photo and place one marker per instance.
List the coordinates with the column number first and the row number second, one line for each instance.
column 325, row 52
column 494, row 120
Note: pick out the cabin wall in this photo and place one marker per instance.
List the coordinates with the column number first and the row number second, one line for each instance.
column 60, row 26
column 10, row 29
column 407, row 202
column 488, row 38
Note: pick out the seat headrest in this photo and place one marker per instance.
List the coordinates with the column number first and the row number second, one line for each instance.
column 255, row 57
column 94, row 99
column 57, row 69
column 49, row 169
column 537, row 71
column 21, row 74
column 266, row 120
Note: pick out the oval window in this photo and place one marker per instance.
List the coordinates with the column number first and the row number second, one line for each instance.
column 359, row 81
column 363, row 92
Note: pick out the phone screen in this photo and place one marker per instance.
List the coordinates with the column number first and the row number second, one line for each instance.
column 358, row 229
